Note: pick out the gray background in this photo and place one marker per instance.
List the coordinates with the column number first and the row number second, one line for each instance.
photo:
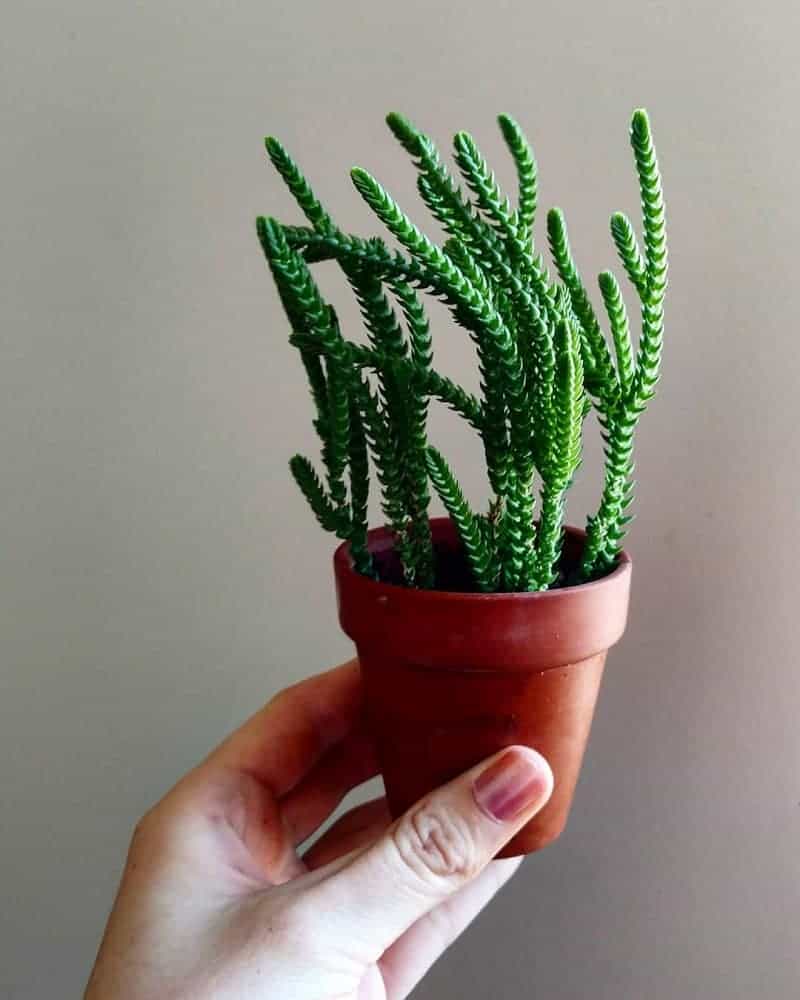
column 160, row 578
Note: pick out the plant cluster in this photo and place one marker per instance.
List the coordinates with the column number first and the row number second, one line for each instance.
column 544, row 360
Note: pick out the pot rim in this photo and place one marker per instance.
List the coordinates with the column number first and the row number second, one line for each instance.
column 344, row 566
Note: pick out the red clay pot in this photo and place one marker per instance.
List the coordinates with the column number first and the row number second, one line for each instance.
column 451, row 676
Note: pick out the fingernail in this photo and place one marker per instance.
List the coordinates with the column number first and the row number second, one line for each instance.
column 511, row 785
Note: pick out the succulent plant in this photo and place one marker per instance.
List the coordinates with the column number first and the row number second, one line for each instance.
column 544, row 360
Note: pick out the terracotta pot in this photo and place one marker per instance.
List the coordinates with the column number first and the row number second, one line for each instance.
column 451, row 677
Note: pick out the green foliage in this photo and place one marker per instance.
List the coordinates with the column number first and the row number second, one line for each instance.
column 312, row 489
column 543, row 359
column 560, row 463
column 636, row 384
column 475, row 543
column 527, row 174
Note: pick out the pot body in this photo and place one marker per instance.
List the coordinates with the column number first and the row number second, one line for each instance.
column 452, row 677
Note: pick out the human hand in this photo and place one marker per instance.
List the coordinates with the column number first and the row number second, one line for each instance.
column 216, row 902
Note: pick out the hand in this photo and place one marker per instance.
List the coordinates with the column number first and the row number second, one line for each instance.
column 216, row 902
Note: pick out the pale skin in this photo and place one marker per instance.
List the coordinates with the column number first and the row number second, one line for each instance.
column 218, row 901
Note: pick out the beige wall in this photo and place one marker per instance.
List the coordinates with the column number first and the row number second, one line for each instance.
column 159, row 577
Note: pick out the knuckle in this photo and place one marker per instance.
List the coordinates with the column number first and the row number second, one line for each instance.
column 283, row 698
column 435, row 844
column 155, row 831
column 146, row 840
column 145, row 826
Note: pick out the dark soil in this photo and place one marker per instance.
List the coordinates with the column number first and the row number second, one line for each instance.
column 453, row 573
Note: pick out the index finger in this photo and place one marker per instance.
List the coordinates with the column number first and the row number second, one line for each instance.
column 282, row 742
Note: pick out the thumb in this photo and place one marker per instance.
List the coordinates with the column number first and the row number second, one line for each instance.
column 437, row 847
